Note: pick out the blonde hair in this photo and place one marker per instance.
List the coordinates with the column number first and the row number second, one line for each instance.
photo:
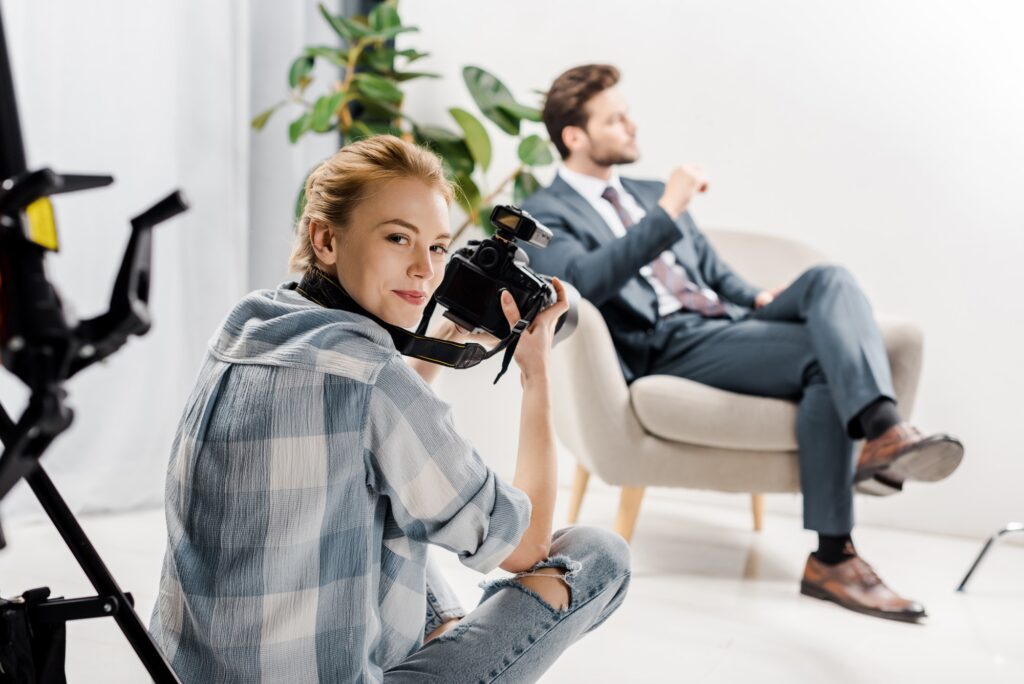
column 341, row 182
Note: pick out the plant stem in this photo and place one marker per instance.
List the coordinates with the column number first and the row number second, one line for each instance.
column 485, row 201
column 344, row 115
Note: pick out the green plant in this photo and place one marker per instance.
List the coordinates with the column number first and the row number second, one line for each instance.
column 368, row 100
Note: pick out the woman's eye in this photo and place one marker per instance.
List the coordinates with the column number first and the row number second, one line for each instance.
column 440, row 249
column 399, row 239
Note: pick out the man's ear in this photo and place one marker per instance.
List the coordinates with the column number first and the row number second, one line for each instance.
column 322, row 237
column 574, row 138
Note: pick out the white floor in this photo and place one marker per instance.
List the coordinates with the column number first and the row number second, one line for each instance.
column 710, row 601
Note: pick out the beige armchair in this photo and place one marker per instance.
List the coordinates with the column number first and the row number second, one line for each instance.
column 668, row 431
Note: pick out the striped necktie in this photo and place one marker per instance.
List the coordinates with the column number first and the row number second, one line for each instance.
column 672, row 276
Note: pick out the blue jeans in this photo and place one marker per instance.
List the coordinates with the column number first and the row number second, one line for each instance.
column 513, row 635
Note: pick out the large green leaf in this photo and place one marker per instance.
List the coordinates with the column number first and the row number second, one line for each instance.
column 467, row 194
column 535, row 151
column 378, row 87
column 375, row 109
column 384, row 16
column 359, row 130
column 340, row 25
column 298, row 73
column 367, row 128
column 337, row 100
column 260, row 120
column 402, row 76
column 438, row 134
column 356, row 25
column 524, row 185
column 477, row 140
column 322, row 113
column 299, row 126
column 381, row 60
column 488, row 92
column 332, row 55
column 389, row 33
column 412, row 55
column 300, row 199
column 520, row 111
column 455, row 155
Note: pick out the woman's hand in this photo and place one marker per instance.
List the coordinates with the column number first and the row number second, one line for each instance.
column 534, row 347
column 455, row 333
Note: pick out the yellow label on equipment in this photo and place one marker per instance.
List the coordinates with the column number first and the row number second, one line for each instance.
column 42, row 229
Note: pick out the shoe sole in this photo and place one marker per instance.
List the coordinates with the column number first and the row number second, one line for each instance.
column 876, row 486
column 930, row 460
column 814, row 591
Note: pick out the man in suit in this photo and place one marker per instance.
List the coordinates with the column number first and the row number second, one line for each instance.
column 674, row 307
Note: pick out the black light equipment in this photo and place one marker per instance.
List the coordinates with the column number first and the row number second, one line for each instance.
column 43, row 346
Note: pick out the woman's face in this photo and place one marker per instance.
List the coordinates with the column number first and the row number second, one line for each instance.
column 391, row 256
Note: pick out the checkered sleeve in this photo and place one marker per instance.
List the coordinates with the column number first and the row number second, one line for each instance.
column 440, row 490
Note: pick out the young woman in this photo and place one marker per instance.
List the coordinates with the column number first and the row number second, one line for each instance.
column 313, row 466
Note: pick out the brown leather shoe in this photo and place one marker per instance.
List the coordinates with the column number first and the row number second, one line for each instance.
column 854, row 585
column 905, row 454
column 882, row 484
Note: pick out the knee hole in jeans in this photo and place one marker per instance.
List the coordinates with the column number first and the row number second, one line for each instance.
column 548, row 584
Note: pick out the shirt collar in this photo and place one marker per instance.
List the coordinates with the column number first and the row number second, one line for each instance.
column 589, row 186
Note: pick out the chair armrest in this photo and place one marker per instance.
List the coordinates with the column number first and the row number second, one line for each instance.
column 593, row 409
column 904, row 344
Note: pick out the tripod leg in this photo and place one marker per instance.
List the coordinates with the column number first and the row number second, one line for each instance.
column 100, row 577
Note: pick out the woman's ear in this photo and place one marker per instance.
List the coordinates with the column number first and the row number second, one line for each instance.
column 322, row 238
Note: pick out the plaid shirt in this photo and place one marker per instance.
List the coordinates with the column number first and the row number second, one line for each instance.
column 310, row 470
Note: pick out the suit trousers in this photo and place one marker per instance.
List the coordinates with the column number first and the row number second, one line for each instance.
column 816, row 344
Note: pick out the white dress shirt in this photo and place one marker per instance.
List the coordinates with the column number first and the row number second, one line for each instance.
column 591, row 189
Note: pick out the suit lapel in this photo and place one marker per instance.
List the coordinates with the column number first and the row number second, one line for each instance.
column 590, row 219
column 644, row 198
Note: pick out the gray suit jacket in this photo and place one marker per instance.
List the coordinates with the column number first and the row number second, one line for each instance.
column 606, row 269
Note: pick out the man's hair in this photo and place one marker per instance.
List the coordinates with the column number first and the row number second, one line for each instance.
column 567, row 98
column 341, row 182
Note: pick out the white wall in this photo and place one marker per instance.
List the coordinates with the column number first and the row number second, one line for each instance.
column 155, row 94
column 886, row 134
column 279, row 33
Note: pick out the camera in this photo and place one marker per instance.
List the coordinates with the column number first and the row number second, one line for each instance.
column 477, row 273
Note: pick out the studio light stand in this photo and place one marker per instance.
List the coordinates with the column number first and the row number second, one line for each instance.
column 43, row 346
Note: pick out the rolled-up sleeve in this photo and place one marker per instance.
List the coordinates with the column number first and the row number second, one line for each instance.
column 440, row 490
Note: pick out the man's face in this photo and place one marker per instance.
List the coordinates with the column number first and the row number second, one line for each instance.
column 610, row 135
column 391, row 257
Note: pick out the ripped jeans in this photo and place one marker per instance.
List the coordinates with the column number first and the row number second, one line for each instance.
column 513, row 635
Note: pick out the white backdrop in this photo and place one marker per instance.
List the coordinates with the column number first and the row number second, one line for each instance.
column 156, row 94
column 886, row 134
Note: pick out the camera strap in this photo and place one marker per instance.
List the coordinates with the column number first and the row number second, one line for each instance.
column 322, row 289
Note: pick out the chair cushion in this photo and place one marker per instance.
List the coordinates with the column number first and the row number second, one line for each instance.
column 682, row 410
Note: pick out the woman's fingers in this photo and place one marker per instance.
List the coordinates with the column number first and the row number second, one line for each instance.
column 562, row 299
column 509, row 307
column 548, row 316
column 560, row 306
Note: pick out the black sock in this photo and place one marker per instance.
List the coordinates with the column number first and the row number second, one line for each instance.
column 834, row 550
column 878, row 417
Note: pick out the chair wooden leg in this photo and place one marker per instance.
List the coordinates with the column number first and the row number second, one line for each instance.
column 629, row 508
column 579, row 488
column 757, row 507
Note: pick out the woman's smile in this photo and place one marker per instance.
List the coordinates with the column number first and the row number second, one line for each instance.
column 415, row 297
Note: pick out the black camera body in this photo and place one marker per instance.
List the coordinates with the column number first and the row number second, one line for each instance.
column 476, row 274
